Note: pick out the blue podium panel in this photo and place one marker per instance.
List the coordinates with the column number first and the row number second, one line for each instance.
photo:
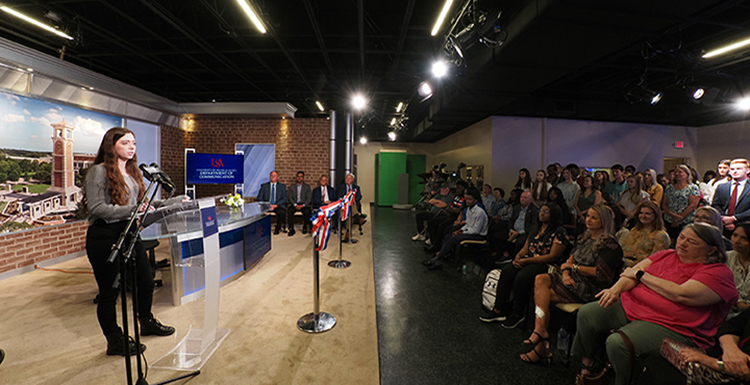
column 257, row 241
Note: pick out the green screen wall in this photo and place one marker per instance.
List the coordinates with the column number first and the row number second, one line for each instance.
column 390, row 166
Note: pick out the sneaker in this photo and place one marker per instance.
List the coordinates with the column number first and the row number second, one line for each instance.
column 512, row 321
column 117, row 348
column 491, row 316
column 153, row 327
column 428, row 242
column 418, row 237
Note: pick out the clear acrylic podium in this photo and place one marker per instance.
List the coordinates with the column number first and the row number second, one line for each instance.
column 207, row 249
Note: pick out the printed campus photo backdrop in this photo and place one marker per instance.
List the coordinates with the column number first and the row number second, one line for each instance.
column 260, row 160
column 45, row 149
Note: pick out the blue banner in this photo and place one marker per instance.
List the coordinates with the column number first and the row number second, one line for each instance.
column 213, row 168
column 210, row 225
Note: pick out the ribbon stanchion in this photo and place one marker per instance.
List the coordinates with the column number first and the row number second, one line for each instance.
column 317, row 321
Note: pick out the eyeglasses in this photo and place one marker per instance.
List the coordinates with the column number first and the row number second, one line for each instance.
column 702, row 218
column 544, row 211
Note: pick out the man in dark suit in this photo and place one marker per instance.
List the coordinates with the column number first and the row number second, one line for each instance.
column 356, row 207
column 300, row 199
column 524, row 218
column 732, row 199
column 323, row 194
column 274, row 192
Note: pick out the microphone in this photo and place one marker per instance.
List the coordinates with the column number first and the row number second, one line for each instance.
column 153, row 173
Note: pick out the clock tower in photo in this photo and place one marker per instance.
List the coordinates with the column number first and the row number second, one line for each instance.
column 63, row 173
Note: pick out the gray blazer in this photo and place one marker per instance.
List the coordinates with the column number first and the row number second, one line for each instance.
column 306, row 197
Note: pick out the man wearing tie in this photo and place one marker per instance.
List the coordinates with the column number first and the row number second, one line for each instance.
column 300, row 197
column 274, row 193
column 323, row 195
column 356, row 207
column 731, row 198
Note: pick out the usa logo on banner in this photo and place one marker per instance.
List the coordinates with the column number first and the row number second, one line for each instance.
column 321, row 222
column 346, row 209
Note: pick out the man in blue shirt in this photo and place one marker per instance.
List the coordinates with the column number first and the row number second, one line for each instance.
column 617, row 186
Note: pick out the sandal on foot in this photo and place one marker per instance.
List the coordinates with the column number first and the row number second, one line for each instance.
column 528, row 341
column 525, row 357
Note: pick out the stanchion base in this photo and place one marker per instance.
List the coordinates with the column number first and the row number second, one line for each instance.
column 320, row 323
column 339, row 264
column 352, row 241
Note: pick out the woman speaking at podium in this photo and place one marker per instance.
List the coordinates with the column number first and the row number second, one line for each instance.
column 114, row 186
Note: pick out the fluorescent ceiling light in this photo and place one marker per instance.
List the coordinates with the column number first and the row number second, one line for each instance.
column 726, row 49
column 393, row 122
column 320, row 106
column 400, row 106
column 251, row 14
column 37, row 23
column 441, row 18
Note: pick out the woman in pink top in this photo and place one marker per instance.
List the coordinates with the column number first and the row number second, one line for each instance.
column 682, row 294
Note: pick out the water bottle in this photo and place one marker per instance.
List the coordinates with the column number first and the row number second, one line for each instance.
column 463, row 269
column 562, row 339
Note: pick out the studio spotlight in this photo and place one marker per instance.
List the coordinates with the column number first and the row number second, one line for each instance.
column 391, row 136
column 640, row 94
column 363, row 140
column 655, row 97
column 400, row 106
column 393, row 122
column 744, row 104
column 358, row 102
column 320, row 106
column 439, row 69
column 456, row 46
column 698, row 93
column 424, row 90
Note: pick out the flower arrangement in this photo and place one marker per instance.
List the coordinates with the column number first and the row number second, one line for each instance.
column 234, row 201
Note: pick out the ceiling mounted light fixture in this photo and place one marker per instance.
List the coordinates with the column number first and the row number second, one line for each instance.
column 744, row 104
column 392, row 136
column 725, row 49
column 439, row 69
column 363, row 140
column 441, row 18
column 358, row 102
column 424, row 90
column 393, row 122
column 35, row 22
column 399, row 107
column 252, row 15
column 320, row 106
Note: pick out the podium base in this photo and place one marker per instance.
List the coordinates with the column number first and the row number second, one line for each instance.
column 320, row 323
column 352, row 241
column 187, row 355
column 339, row 264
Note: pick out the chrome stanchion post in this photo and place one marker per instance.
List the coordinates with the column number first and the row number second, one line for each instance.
column 317, row 321
column 340, row 263
column 351, row 227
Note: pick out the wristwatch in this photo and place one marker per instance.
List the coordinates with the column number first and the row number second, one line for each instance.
column 639, row 275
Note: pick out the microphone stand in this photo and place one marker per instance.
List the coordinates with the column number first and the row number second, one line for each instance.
column 132, row 234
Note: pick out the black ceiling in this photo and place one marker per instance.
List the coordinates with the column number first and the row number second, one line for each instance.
column 572, row 59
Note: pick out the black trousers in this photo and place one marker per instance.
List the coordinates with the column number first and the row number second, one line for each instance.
column 437, row 227
column 306, row 212
column 424, row 216
column 99, row 240
column 280, row 217
column 520, row 282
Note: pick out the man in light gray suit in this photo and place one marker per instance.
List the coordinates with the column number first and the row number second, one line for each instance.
column 300, row 199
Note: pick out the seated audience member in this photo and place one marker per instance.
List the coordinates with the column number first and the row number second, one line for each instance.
column 631, row 198
column 711, row 216
column 655, row 190
column 274, row 192
column 497, row 232
column 585, row 198
column 300, row 199
column 356, row 212
column 629, row 170
column 545, row 246
column 523, row 220
column 438, row 205
column 664, row 180
column 569, row 188
column 682, row 294
column 539, row 188
column 620, row 231
column 732, row 199
column 601, row 178
column 708, row 175
column 722, row 176
column 617, row 186
column 680, row 201
column 647, row 236
column 593, row 265
column 498, row 202
column 555, row 195
column 438, row 226
column 323, row 194
column 487, row 198
column 524, row 180
column 506, row 212
column 738, row 261
column 475, row 228
column 554, row 173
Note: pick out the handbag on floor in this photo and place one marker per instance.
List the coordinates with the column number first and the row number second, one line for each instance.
column 695, row 373
column 489, row 292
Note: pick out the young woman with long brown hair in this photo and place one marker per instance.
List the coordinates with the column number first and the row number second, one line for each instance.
column 114, row 186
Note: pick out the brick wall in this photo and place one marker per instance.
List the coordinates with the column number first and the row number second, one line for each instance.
column 28, row 247
column 301, row 144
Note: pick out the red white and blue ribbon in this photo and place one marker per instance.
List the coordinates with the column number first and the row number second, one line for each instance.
column 346, row 209
column 321, row 222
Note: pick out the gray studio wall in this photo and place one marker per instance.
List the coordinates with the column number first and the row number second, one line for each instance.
column 720, row 141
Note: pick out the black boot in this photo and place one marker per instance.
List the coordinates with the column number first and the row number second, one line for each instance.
column 116, row 344
column 153, row 327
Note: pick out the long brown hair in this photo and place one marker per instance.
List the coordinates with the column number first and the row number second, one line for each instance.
column 656, row 225
column 106, row 155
